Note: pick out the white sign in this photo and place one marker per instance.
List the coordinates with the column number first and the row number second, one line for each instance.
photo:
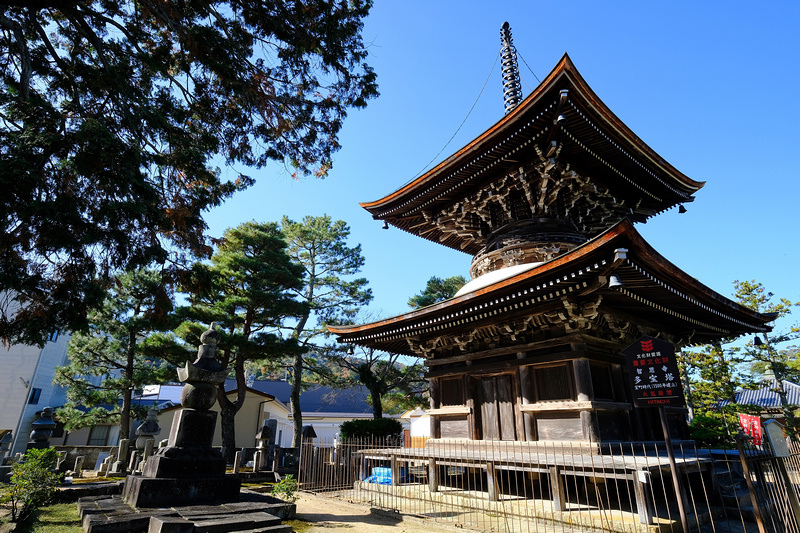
column 777, row 439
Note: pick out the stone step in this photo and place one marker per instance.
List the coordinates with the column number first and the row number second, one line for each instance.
column 235, row 522
column 281, row 528
column 268, row 519
column 128, row 523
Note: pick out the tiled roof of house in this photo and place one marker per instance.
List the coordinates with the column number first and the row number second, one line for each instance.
column 317, row 398
column 766, row 395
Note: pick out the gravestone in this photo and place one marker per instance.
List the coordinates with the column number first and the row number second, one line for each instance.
column 101, row 459
column 122, row 455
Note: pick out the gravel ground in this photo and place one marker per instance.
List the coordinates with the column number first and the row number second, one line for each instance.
column 323, row 514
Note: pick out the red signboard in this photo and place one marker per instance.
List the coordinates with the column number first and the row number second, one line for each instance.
column 653, row 373
column 751, row 425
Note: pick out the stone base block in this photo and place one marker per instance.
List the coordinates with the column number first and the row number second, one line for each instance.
column 149, row 492
column 170, row 524
column 192, row 429
column 196, row 463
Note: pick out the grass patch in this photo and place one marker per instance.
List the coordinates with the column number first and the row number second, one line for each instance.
column 299, row 526
column 58, row 518
column 79, row 481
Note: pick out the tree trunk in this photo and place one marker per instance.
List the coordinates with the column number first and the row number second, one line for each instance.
column 228, row 409
column 294, row 401
column 377, row 406
column 127, row 394
column 125, row 415
column 228, row 423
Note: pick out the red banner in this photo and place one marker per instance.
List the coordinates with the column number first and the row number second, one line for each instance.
column 751, row 425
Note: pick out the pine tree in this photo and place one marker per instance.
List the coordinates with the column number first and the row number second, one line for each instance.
column 329, row 292
column 437, row 290
column 247, row 289
column 766, row 355
column 112, row 358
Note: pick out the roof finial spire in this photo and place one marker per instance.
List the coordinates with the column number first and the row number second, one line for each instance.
column 512, row 88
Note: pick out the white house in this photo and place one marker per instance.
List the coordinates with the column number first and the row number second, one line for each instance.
column 419, row 427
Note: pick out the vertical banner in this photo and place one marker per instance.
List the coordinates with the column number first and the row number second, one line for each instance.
column 751, row 425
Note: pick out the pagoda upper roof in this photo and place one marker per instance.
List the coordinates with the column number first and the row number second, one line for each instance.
column 573, row 288
column 589, row 139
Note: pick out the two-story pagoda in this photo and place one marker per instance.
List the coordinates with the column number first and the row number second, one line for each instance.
column 545, row 201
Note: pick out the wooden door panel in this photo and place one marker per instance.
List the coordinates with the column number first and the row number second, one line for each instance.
column 489, row 422
column 497, row 399
column 504, row 389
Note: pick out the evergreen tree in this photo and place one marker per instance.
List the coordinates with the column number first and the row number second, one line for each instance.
column 382, row 374
column 247, row 289
column 113, row 116
column 437, row 290
column 329, row 292
column 112, row 358
column 712, row 375
column 766, row 355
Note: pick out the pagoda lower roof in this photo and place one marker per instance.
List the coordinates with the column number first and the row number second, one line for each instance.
column 591, row 140
column 568, row 291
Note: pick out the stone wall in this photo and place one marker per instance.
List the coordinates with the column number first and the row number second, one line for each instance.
column 89, row 453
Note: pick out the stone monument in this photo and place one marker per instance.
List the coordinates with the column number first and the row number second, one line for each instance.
column 188, row 470
column 266, row 446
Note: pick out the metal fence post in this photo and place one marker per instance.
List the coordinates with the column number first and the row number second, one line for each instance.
column 740, row 438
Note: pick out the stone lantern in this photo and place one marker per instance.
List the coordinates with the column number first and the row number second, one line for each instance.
column 148, row 430
column 42, row 429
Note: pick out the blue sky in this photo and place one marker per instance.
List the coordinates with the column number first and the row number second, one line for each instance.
column 711, row 86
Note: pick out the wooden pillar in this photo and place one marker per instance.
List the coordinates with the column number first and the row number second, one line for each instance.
column 433, row 391
column 433, row 475
column 491, row 481
column 557, row 489
column 527, row 394
column 395, row 470
column 363, row 468
column 589, row 427
column 644, row 507
column 519, row 420
column 583, row 380
column 584, row 391
column 471, row 402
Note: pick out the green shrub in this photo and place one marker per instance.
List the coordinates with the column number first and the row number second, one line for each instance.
column 379, row 428
column 286, row 489
column 33, row 483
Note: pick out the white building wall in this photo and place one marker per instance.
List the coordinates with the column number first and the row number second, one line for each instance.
column 421, row 426
column 24, row 368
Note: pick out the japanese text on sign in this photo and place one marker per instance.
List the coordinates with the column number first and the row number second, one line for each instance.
column 653, row 372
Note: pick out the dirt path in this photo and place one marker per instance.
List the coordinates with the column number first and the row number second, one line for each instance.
column 322, row 515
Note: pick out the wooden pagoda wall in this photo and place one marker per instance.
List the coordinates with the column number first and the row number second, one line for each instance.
column 566, row 392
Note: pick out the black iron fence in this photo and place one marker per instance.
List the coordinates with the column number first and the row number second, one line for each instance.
column 774, row 486
column 552, row 486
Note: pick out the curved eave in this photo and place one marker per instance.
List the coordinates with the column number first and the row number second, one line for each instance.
column 651, row 283
column 448, row 177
